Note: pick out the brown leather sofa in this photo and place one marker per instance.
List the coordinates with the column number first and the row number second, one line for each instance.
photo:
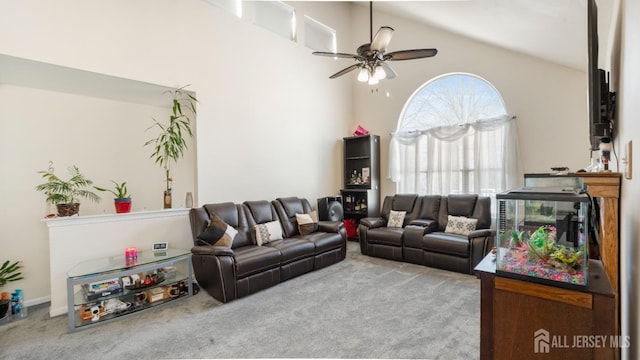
column 422, row 239
column 245, row 268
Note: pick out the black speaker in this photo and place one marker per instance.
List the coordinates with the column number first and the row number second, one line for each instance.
column 330, row 208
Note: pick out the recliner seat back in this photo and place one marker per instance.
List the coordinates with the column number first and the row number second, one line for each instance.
column 410, row 203
column 287, row 208
column 234, row 215
column 466, row 205
column 430, row 207
column 259, row 212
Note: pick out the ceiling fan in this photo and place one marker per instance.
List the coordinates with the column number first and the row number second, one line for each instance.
column 372, row 57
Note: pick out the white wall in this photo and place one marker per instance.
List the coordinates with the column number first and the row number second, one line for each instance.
column 104, row 138
column 270, row 122
column 629, row 130
column 276, row 123
column 549, row 100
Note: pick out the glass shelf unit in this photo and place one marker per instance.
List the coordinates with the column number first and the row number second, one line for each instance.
column 105, row 289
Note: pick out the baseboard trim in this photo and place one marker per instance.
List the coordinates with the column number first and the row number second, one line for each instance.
column 57, row 311
column 37, row 301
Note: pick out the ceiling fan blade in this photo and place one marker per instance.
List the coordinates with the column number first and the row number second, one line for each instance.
column 410, row 54
column 336, row 55
column 382, row 39
column 344, row 71
column 389, row 71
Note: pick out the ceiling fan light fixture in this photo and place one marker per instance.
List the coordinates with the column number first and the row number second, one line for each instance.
column 371, row 58
column 382, row 39
column 379, row 72
column 363, row 75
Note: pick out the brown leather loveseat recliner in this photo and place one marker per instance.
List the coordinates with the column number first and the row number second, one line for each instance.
column 424, row 238
column 228, row 273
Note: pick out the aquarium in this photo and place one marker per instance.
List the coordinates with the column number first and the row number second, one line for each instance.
column 565, row 182
column 569, row 181
column 541, row 236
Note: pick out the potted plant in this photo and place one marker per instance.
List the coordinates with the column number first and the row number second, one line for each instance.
column 170, row 144
column 8, row 272
column 122, row 199
column 66, row 194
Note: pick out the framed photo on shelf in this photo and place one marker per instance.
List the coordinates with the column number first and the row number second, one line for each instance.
column 365, row 175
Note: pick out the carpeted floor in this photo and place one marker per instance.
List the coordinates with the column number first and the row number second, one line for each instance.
column 359, row 308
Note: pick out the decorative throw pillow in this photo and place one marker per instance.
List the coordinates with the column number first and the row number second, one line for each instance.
column 460, row 225
column 218, row 233
column 268, row 232
column 307, row 223
column 396, row 219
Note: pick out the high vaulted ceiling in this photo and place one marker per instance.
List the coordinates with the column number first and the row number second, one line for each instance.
column 553, row 30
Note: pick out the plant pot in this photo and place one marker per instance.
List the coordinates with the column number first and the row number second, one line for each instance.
column 4, row 308
column 68, row 209
column 123, row 205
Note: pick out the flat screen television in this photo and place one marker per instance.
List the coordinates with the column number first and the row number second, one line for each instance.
column 601, row 101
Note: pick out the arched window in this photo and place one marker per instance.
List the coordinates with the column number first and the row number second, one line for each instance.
column 454, row 135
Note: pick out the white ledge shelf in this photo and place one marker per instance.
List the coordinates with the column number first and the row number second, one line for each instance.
column 103, row 218
column 40, row 75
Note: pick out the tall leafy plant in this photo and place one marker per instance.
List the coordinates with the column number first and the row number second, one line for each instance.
column 171, row 143
column 10, row 272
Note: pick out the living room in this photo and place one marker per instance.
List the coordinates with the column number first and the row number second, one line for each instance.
column 262, row 99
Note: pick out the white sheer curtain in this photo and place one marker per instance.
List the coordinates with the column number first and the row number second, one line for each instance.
column 478, row 157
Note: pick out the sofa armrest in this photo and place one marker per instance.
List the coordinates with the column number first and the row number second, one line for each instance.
column 430, row 225
column 373, row 222
column 330, row 226
column 212, row 250
column 412, row 235
column 214, row 269
column 482, row 233
column 481, row 241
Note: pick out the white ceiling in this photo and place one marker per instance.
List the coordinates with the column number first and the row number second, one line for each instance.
column 554, row 30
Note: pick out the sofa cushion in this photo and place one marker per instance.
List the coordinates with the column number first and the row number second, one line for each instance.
column 218, row 233
column 460, row 225
column 253, row 259
column 307, row 223
column 396, row 219
column 385, row 236
column 446, row 243
column 267, row 232
column 292, row 249
column 324, row 241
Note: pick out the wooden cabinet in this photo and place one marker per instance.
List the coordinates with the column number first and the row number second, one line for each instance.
column 361, row 192
column 605, row 187
column 524, row 320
